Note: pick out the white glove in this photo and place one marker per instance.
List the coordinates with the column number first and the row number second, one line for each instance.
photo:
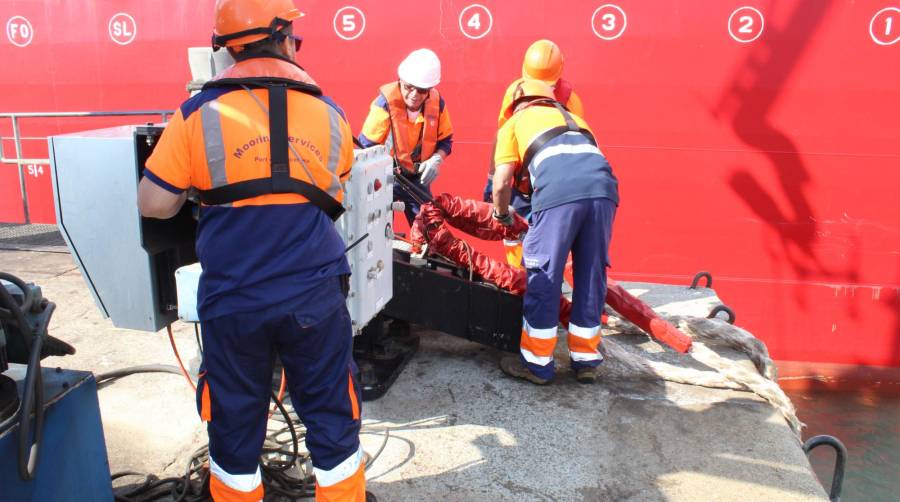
column 430, row 169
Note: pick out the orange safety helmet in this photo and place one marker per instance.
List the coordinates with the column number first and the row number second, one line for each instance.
column 543, row 61
column 531, row 89
column 240, row 22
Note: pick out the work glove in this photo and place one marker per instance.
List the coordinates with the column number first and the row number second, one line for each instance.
column 504, row 219
column 430, row 169
column 489, row 190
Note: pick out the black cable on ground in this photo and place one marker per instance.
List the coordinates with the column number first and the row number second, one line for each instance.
column 279, row 458
column 179, row 488
column 284, row 469
column 197, row 337
column 387, row 435
column 104, row 379
column 276, row 475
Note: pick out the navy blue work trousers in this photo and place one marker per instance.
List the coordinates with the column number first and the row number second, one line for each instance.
column 583, row 227
column 314, row 342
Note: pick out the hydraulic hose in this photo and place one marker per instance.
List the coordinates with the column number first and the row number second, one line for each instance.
column 29, row 295
column 33, row 392
column 409, row 187
column 14, row 312
column 17, row 311
column 33, row 399
column 108, row 377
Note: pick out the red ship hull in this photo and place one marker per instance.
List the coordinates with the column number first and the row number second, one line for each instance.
column 759, row 144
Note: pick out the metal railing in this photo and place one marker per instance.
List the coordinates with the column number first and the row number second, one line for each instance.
column 17, row 138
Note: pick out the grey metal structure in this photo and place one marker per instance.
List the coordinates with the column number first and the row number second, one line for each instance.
column 17, row 139
column 127, row 261
column 130, row 262
column 368, row 223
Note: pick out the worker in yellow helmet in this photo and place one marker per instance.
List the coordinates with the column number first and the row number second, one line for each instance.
column 268, row 154
column 544, row 62
column 410, row 117
column 551, row 155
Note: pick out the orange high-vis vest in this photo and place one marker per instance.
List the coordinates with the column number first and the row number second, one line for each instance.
column 405, row 154
column 265, row 67
column 277, row 77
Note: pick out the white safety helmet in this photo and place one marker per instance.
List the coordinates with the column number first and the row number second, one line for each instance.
column 421, row 68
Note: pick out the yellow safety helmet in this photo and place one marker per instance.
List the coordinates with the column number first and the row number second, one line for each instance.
column 543, row 61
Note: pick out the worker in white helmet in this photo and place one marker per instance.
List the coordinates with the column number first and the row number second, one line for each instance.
column 410, row 118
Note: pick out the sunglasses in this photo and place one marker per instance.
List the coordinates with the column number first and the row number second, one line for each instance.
column 298, row 41
column 406, row 88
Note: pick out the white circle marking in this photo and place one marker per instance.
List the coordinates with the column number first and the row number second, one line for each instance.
column 490, row 21
column 762, row 24
column 362, row 17
column 624, row 22
column 872, row 26
column 23, row 22
column 113, row 26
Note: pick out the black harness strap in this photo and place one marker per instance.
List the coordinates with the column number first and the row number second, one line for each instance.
column 263, row 83
column 278, row 138
column 277, row 24
column 263, row 186
column 280, row 180
column 538, row 144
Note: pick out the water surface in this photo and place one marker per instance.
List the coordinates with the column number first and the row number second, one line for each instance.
column 869, row 426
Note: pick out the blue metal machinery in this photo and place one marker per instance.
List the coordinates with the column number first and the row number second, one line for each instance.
column 72, row 463
column 51, row 439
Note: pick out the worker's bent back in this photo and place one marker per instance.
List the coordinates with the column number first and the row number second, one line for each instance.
column 567, row 168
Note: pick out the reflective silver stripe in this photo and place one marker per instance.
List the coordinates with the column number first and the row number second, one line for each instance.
column 239, row 482
column 334, row 151
column 580, row 332
column 533, row 359
column 563, row 149
column 541, row 334
column 340, row 472
column 215, row 144
column 389, row 142
column 585, row 356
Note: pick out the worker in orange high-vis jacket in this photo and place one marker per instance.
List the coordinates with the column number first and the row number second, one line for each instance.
column 410, row 117
column 267, row 154
column 543, row 61
column 550, row 154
